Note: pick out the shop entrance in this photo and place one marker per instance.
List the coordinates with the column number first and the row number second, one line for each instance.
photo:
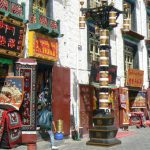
column 44, row 87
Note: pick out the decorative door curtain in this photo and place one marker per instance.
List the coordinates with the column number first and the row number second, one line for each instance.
column 27, row 109
column 10, row 128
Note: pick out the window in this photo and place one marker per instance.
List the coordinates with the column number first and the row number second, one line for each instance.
column 93, row 48
column 130, row 10
column 148, row 25
column 128, row 57
column 40, row 5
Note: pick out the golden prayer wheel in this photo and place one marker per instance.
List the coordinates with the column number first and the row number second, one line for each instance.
column 112, row 18
column 103, row 74
column 104, row 37
column 104, row 53
column 97, row 30
column 104, row 42
column 82, row 22
column 103, row 83
column 104, row 104
column 104, row 61
column 126, row 24
column 59, row 126
column 104, row 33
column 103, row 95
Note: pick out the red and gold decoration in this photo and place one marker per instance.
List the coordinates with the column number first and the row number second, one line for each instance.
column 42, row 46
column 124, row 104
column 26, row 68
column 135, row 78
column 12, row 91
column 139, row 101
column 10, row 128
column 11, row 37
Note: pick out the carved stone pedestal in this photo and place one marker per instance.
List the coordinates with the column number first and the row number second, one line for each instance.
column 103, row 132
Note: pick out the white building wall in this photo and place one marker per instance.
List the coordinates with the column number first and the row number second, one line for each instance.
column 73, row 44
column 72, row 47
column 117, row 51
column 117, row 47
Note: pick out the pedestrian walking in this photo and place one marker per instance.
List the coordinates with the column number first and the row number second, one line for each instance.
column 46, row 122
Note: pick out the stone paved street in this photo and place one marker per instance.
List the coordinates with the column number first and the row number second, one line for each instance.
column 138, row 141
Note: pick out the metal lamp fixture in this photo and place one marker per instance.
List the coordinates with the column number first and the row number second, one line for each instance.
column 82, row 22
column 82, row 17
column 126, row 24
column 104, row 2
column 126, row 20
column 112, row 18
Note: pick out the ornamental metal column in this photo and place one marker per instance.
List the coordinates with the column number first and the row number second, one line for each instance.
column 103, row 132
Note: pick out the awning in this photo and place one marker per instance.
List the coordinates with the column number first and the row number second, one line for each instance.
column 27, row 61
column 6, row 61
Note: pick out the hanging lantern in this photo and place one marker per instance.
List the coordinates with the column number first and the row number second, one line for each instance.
column 126, row 24
column 96, row 30
column 104, row 37
column 112, row 18
column 82, row 22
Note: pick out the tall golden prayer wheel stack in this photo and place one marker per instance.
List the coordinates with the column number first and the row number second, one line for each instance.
column 59, row 126
column 112, row 18
column 104, row 37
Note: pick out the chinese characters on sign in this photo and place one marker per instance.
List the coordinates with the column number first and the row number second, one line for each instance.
column 11, row 37
column 135, row 78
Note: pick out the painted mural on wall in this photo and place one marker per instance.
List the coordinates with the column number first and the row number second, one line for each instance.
column 11, row 91
column 140, row 100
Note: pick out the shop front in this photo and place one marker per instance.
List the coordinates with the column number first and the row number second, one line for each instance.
column 137, row 97
column 37, row 72
column 12, row 33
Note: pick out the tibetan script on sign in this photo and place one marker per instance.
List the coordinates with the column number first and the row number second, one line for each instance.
column 135, row 78
column 11, row 37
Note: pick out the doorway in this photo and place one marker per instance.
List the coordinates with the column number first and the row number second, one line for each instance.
column 44, row 87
